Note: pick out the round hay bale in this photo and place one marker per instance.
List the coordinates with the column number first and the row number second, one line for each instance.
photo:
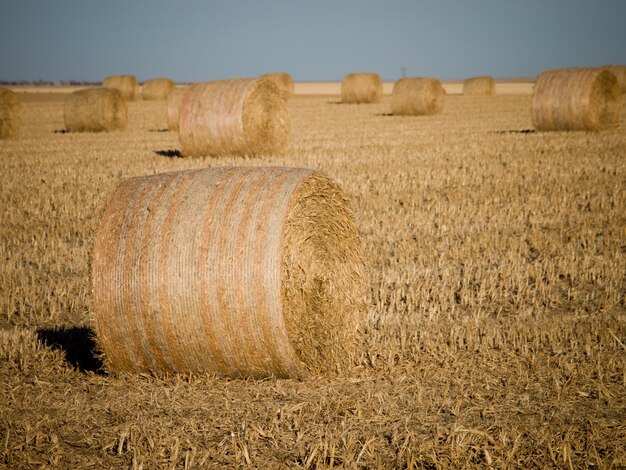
column 576, row 99
column 620, row 74
column 242, row 272
column 417, row 96
column 361, row 88
column 234, row 117
column 283, row 81
column 174, row 102
column 126, row 84
column 479, row 86
column 95, row 110
column 10, row 120
column 157, row 89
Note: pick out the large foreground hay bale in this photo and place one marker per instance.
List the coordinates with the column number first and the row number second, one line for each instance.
column 95, row 110
column 361, row 88
column 10, row 120
column 157, row 89
column 126, row 84
column 417, row 96
column 283, row 81
column 576, row 99
column 479, row 86
column 620, row 74
column 234, row 117
column 174, row 102
column 236, row 271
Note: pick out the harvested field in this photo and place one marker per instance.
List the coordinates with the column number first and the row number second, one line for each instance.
column 495, row 335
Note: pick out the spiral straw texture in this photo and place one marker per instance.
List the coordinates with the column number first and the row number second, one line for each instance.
column 157, row 89
column 10, row 110
column 174, row 102
column 576, row 99
column 283, row 81
column 417, row 96
column 243, row 272
column 620, row 73
column 127, row 85
column 95, row 110
column 479, row 86
column 234, row 117
column 361, row 88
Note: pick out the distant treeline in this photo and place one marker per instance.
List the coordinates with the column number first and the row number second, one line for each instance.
column 49, row 82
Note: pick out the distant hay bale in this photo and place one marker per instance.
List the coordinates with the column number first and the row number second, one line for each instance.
column 157, row 89
column 283, row 81
column 479, row 86
column 234, row 117
column 239, row 271
column 95, row 110
column 126, row 84
column 620, row 73
column 417, row 96
column 174, row 102
column 361, row 88
column 10, row 120
column 576, row 99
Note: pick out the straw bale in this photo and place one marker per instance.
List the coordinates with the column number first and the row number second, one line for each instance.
column 283, row 81
column 242, row 272
column 95, row 110
column 234, row 117
column 174, row 102
column 417, row 96
column 157, row 89
column 479, row 86
column 126, row 84
column 620, row 73
column 361, row 88
column 576, row 99
column 10, row 109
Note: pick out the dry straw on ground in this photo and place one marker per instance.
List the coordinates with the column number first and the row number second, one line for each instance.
column 234, row 117
column 283, row 81
column 236, row 271
column 95, row 110
column 126, row 84
column 174, row 102
column 576, row 99
column 620, row 73
column 361, row 88
column 9, row 114
column 479, row 86
column 417, row 96
column 157, row 89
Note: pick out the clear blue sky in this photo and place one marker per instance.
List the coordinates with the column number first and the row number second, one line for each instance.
column 312, row 40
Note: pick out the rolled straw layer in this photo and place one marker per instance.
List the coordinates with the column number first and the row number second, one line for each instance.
column 361, row 88
column 620, row 73
column 576, row 99
column 243, row 272
column 234, row 117
column 157, row 89
column 95, row 110
column 174, row 102
column 283, row 81
column 479, row 86
column 417, row 96
column 10, row 120
column 127, row 85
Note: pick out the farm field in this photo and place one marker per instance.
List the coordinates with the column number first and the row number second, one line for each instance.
column 496, row 272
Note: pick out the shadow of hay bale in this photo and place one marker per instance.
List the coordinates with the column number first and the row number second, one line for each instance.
column 77, row 343
column 170, row 153
column 517, row 131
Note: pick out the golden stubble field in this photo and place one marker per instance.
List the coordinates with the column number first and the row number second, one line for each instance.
column 496, row 335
